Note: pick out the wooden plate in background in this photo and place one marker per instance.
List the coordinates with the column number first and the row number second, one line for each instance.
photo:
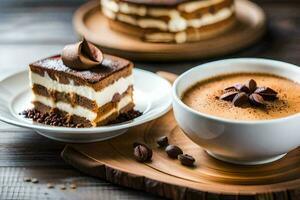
column 90, row 23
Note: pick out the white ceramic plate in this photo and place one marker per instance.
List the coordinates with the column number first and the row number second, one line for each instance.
column 152, row 96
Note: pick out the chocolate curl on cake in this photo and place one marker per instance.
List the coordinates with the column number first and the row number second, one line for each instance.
column 82, row 55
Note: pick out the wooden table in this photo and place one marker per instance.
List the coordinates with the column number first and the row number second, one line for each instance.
column 31, row 29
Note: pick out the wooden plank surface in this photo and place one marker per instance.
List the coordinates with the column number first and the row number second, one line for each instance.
column 113, row 160
column 31, row 29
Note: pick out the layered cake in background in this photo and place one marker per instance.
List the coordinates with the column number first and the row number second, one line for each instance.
column 83, row 84
column 170, row 21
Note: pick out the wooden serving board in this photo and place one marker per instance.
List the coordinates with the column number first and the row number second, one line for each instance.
column 90, row 23
column 210, row 179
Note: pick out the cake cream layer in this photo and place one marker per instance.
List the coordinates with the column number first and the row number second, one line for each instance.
column 101, row 97
column 75, row 99
column 192, row 34
column 176, row 21
column 189, row 35
column 158, row 11
column 83, row 112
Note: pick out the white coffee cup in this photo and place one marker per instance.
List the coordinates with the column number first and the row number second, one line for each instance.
column 237, row 141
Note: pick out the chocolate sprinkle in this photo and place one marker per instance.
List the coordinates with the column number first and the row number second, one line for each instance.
column 27, row 179
column 126, row 117
column 34, row 180
column 55, row 119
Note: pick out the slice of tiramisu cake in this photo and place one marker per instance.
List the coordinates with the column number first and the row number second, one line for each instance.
column 83, row 84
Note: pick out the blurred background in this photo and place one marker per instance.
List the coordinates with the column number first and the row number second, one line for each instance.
column 32, row 29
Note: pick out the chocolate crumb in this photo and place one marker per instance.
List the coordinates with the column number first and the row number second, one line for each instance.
column 125, row 117
column 62, row 187
column 73, row 186
column 55, row 119
column 27, row 179
column 34, row 180
column 50, row 185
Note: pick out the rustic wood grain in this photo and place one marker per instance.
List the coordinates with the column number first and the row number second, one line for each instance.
column 113, row 161
column 13, row 186
column 31, row 29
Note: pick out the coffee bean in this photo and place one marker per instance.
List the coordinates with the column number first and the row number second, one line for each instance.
column 228, row 96
column 238, row 87
column 243, row 88
column 162, row 141
column 256, row 99
column 186, row 159
column 251, row 84
column 230, row 88
column 240, row 99
column 265, row 90
column 142, row 153
column 248, row 92
column 267, row 93
column 173, row 151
